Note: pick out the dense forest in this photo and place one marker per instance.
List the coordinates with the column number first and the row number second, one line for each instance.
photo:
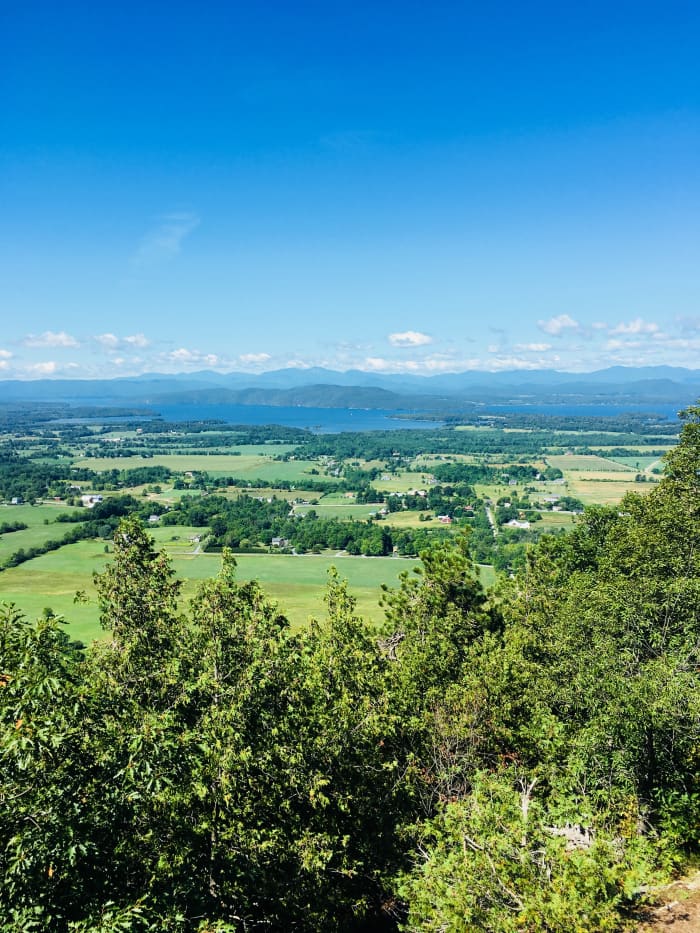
column 519, row 760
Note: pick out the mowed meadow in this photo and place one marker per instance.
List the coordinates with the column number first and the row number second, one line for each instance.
column 296, row 582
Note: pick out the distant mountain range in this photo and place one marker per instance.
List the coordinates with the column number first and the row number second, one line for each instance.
column 324, row 388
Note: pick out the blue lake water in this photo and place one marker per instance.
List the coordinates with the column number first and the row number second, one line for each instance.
column 335, row 420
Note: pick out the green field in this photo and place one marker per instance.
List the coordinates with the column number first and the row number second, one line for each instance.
column 247, row 467
column 37, row 533
column 639, row 462
column 345, row 512
column 296, row 583
column 410, row 519
column 602, row 489
column 553, row 521
column 588, row 462
column 400, row 481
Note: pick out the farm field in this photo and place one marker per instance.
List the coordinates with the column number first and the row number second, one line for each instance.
column 250, row 466
column 297, row 583
column 42, row 527
column 552, row 521
column 31, row 514
column 588, row 462
column 602, row 490
column 349, row 510
column 267, row 492
column 401, row 481
column 408, row 519
column 638, row 462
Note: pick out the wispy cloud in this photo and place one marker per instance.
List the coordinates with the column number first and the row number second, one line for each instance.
column 136, row 340
column 251, row 359
column 437, row 364
column 556, row 326
column 51, row 338
column 185, row 357
column 532, row 347
column 112, row 342
column 410, row 338
column 164, row 241
column 688, row 325
column 42, row 369
column 109, row 341
column 637, row 326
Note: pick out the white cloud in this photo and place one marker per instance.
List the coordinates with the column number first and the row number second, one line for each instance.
column 409, row 338
column 42, row 369
column 5, row 355
column 431, row 365
column 137, row 340
column 637, row 326
column 183, row 355
column 254, row 358
column 50, row 339
column 297, row 364
column 514, row 362
column 615, row 343
column 165, row 241
column 435, row 364
column 533, row 347
column 110, row 341
column 677, row 343
column 556, row 325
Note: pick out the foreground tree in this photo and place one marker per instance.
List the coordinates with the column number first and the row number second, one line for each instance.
column 593, row 696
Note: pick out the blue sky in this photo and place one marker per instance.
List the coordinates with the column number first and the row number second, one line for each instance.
column 390, row 186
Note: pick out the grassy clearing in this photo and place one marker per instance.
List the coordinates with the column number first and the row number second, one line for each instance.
column 487, row 575
column 267, row 492
column 588, row 462
column 639, row 462
column 177, row 539
column 603, row 491
column 496, row 491
column 344, row 512
column 553, row 521
column 602, row 476
column 31, row 537
column 296, row 583
column 429, row 461
column 401, row 481
column 247, row 467
column 409, row 519
column 32, row 514
column 52, row 580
